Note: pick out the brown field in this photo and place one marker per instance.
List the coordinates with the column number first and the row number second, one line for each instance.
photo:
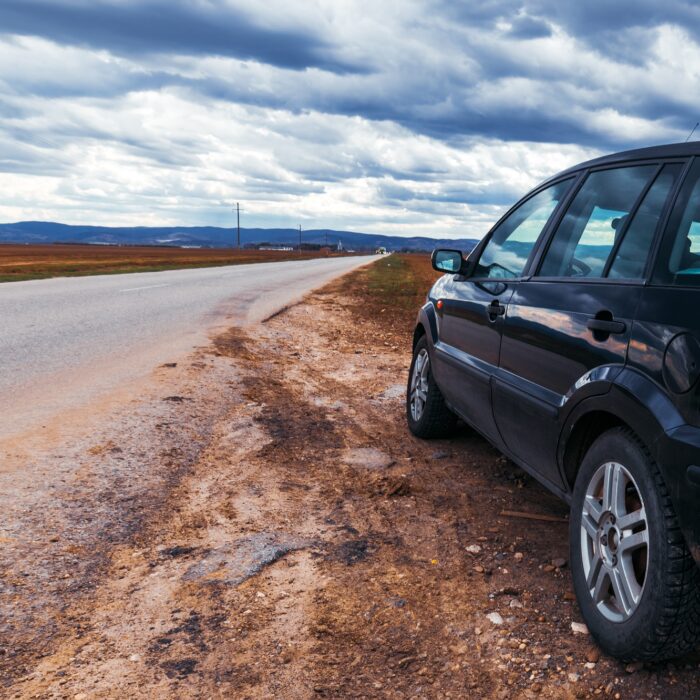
column 25, row 262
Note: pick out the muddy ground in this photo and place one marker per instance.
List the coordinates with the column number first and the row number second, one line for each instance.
column 260, row 524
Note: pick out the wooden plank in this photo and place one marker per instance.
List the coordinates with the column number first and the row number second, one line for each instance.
column 534, row 516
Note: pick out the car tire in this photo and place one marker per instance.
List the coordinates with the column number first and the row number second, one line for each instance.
column 636, row 583
column 426, row 411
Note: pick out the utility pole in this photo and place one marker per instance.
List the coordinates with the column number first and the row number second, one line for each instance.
column 299, row 239
column 238, row 224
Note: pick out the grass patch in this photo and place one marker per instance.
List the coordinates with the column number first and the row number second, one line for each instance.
column 390, row 292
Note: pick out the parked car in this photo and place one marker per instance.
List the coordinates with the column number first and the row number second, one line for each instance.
column 570, row 339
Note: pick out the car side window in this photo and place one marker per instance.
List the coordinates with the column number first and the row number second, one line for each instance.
column 595, row 219
column 511, row 243
column 678, row 262
column 632, row 254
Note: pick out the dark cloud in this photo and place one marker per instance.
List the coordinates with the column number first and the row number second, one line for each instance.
column 596, row 18
column 167, row 26
column 526, row 27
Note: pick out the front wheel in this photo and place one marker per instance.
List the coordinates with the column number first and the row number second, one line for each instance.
column 636, row 583
column 426, row 411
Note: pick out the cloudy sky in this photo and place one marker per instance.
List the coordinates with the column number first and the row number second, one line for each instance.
column 394, row 116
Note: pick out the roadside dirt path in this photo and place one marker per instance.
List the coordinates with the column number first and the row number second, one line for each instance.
column 261, row 525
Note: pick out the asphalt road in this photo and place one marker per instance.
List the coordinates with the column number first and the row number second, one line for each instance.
column 64, row 340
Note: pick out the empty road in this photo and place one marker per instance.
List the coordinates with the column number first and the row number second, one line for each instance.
column 65, row 340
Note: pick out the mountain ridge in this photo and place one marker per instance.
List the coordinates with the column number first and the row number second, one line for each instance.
column 214, row 236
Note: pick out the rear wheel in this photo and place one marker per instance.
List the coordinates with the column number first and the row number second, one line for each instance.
column 426, row 411
column 636, row 583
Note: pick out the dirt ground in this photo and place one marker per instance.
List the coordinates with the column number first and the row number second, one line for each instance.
column 262, row 525
column 24, row 262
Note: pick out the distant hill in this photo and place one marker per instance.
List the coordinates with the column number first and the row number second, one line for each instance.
column 213, row 237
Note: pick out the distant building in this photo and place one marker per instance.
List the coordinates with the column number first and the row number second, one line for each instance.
column 340, row 246
column 381, row 250
column 276, row 247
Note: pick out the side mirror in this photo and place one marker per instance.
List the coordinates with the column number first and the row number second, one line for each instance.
column 450, row 261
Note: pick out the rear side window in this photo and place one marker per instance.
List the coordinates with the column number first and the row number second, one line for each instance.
column 594, row 222
column 511, row 243
column 679, row 258
column 632, row 254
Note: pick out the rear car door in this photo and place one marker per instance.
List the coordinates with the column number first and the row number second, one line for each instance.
column 568, row 327
column 471, row 311
column 665, row 346
column 666, row 335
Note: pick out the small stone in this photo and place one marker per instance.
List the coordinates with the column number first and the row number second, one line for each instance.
column 439, row 454
column 573, row 677
column 558, row 563
column 589, row 665
column 593, row 655
column 579, row 628
column 515, row 603
column 634, row 667
column 495, row 618
column 548, row 567
column 368, row 458
column 518, row 556
column 479, row 569
column 473, row 549
column 134, row 657
column 80, row 696
column 569, row 595
column 477, row 631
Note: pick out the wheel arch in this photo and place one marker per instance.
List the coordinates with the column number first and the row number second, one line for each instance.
column 583, row 433
column 634, row 402
column 426, row 325
column 418, row 333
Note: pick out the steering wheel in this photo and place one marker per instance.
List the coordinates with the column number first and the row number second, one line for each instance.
column 579, row 268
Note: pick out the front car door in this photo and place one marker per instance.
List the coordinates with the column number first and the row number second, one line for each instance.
column 568, row 327
column 471, row 310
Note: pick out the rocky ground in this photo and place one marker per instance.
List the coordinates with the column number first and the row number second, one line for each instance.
column 260, row 524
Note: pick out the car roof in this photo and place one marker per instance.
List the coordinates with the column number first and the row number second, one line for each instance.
column 669, row 150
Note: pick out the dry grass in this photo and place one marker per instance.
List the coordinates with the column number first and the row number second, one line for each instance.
column 392, row 289
column 25, row 262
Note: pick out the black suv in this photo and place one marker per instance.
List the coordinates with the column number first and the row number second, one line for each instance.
column 570, row 339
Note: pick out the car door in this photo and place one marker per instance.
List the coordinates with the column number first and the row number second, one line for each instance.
column 570, row 323
column 471, row 311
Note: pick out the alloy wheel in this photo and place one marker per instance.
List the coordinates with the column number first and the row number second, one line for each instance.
column 614, row 542
column 419, row 384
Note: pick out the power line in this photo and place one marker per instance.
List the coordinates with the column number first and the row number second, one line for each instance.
column 697, row 124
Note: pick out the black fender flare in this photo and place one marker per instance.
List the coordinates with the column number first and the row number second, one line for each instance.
column 634, row 400
column 427, row 319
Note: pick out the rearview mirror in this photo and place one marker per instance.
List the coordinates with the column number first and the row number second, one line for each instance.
column 449, row 261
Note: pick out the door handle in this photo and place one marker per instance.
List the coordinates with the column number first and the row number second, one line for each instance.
column 495, row 309
column 603, row 326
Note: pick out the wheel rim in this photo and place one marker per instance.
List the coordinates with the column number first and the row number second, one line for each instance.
column 419, row 384
column 614, row 542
